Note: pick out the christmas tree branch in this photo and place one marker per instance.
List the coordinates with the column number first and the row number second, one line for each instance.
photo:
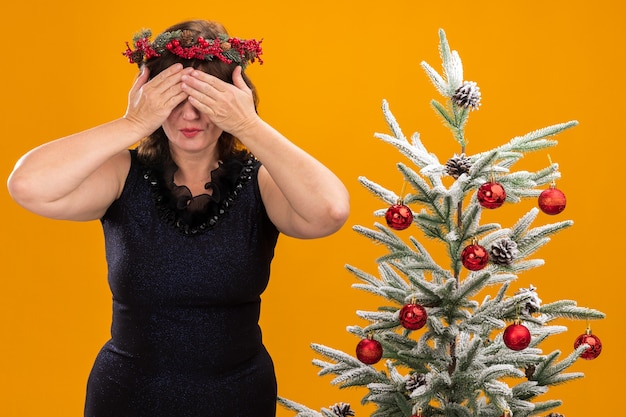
column 483, row 165
column 393, row 278
column 528, row 389
column 432, row 197
column 415, row 153
column 300, row 409
column 549, row 372
column 350, row 372
column 536, row 139
column 475, row 283
column 440, row 84
column 399, row 250
column 382, row 193
column 393, row 124
column 384, row 236
column 443, row 113
column 542, row 407
column 452, row 65
column 568, row 309
column 522, row 225
column 544, row 231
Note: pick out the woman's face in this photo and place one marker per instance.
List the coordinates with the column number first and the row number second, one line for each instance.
column 189, row 130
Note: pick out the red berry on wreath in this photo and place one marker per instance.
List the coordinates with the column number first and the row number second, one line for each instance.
column 595, row 345
column 474, row 257
column 491, row 195
column 399, row 216
column 516, row 336
column 413, row 316
column 369, row 351
column 552, row 201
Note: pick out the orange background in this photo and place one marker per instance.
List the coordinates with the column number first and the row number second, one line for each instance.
column 329, row 64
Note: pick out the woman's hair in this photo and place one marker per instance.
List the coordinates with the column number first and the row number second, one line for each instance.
column 154, row 150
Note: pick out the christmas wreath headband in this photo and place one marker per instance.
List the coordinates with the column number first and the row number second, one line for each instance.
column 185, row 44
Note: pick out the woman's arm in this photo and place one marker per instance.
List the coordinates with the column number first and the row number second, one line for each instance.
column 77, row 177
column 303, row 198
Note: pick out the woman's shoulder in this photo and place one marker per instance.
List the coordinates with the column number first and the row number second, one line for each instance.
column 123, row 164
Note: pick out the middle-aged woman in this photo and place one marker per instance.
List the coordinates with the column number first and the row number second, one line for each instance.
column 191, row 217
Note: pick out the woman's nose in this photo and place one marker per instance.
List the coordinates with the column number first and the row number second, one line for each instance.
column 189, row 112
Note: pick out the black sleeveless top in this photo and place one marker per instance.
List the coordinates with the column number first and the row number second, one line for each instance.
column 186, row 276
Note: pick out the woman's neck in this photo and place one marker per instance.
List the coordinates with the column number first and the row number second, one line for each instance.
column 194, row 171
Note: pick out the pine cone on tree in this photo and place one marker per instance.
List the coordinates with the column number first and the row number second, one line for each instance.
column 503, row 252
column 458, row 165
column 555, row 415
column 529, row 371
column 414, row 381
column 342, row 410
column 533, row 305
column 467, row 95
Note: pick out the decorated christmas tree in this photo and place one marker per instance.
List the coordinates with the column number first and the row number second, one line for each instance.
column 458, row 340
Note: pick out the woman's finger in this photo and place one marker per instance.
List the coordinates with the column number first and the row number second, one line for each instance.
column 206, row 84
column 151, row 101
column 166, row 77
column 165, row 88
column 141, row 79
column 202, row 105
column 238, row 80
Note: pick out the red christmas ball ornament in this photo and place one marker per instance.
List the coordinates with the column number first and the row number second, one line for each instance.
column 474, row 257
column 516, row 336
column 491, row 195
column 595, row 345
column 399, row 216
column 369, row 351
column 413, row 316
column 552, row 201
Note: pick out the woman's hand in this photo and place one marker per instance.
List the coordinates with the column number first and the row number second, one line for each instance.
column 302, row 197
column 150, row 102
column 229, row 106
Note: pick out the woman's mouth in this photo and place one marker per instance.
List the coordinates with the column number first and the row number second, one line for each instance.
column 190, row 133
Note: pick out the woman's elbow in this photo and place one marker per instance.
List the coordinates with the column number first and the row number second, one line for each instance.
column 19, row 188
column 26, row 191
column 337, row 214
column 341, row 212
